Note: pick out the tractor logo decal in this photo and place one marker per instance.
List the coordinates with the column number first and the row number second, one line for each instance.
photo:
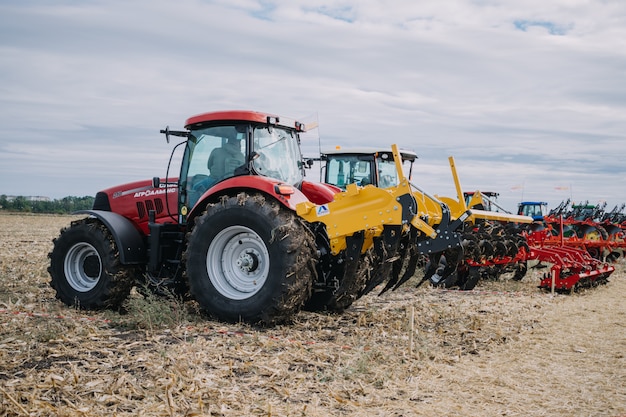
column 150, row 192
column 322, row 210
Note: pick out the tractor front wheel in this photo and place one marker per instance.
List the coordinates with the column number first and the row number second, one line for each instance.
column 85, row 269
column 251, row 259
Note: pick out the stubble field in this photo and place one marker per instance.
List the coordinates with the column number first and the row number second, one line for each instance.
column 505, row 349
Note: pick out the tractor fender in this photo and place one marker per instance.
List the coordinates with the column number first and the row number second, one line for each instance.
column 319, row 193
column 130, row 242
column 286, row 194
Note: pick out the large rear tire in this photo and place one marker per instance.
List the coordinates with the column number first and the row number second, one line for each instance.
column 85, row 267
column 250, row 259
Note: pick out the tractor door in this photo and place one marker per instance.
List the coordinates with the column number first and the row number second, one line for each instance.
column 212, row 155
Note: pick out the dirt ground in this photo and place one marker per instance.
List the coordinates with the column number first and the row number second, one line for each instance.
column 505, row 349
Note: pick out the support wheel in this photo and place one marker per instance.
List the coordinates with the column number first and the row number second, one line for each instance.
column 250, row 259
column 85, row 267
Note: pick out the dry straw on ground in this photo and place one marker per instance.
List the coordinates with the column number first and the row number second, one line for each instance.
column 507, row 349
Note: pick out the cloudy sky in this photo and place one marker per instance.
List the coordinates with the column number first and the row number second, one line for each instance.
column 528, row 96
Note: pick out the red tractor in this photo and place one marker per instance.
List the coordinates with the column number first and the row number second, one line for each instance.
column 226, row 229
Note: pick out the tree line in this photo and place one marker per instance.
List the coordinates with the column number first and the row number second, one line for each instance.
column 64, row 205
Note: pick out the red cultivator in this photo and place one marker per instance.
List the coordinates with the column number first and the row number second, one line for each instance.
column 580, row 241
column 492, row 249
column 572, row 267
column 583, row 226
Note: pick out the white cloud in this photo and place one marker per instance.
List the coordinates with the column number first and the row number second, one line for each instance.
column 527, row 92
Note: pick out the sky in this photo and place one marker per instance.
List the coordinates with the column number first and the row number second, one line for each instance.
column 528, row 96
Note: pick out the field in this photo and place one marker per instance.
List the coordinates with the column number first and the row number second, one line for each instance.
column 505, row 349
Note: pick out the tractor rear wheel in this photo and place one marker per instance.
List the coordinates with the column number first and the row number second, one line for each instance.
column 249, row 258
column 85, row 267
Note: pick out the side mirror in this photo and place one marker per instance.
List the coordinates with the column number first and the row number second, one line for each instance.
column 166, row 131
column 156, row 182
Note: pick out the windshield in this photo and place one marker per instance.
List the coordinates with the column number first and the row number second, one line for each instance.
column 532, row 210
column 277, row 154
column 342, row 170
column 348, row 169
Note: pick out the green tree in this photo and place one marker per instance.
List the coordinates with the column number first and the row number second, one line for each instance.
column 65, row 205
column 21, row 204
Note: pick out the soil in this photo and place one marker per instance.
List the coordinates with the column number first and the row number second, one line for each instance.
column 505, row 349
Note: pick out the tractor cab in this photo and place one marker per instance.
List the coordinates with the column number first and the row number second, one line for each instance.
column 534, row 209
column 223, row 145
column 363, row 166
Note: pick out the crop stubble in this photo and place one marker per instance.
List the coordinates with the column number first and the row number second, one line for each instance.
column 506, row 349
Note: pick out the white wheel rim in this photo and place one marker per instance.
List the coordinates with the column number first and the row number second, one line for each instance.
column 238, row 262
column 82, row 267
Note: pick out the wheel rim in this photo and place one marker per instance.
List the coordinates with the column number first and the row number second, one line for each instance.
column 83, row 267
column 238, row 262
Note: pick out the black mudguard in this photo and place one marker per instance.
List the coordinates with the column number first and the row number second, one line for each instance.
column 130, row 241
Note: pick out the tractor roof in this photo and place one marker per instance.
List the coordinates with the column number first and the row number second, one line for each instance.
column 533, row 203
column 405, row 154
column 487, row 193
column 244, row 116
